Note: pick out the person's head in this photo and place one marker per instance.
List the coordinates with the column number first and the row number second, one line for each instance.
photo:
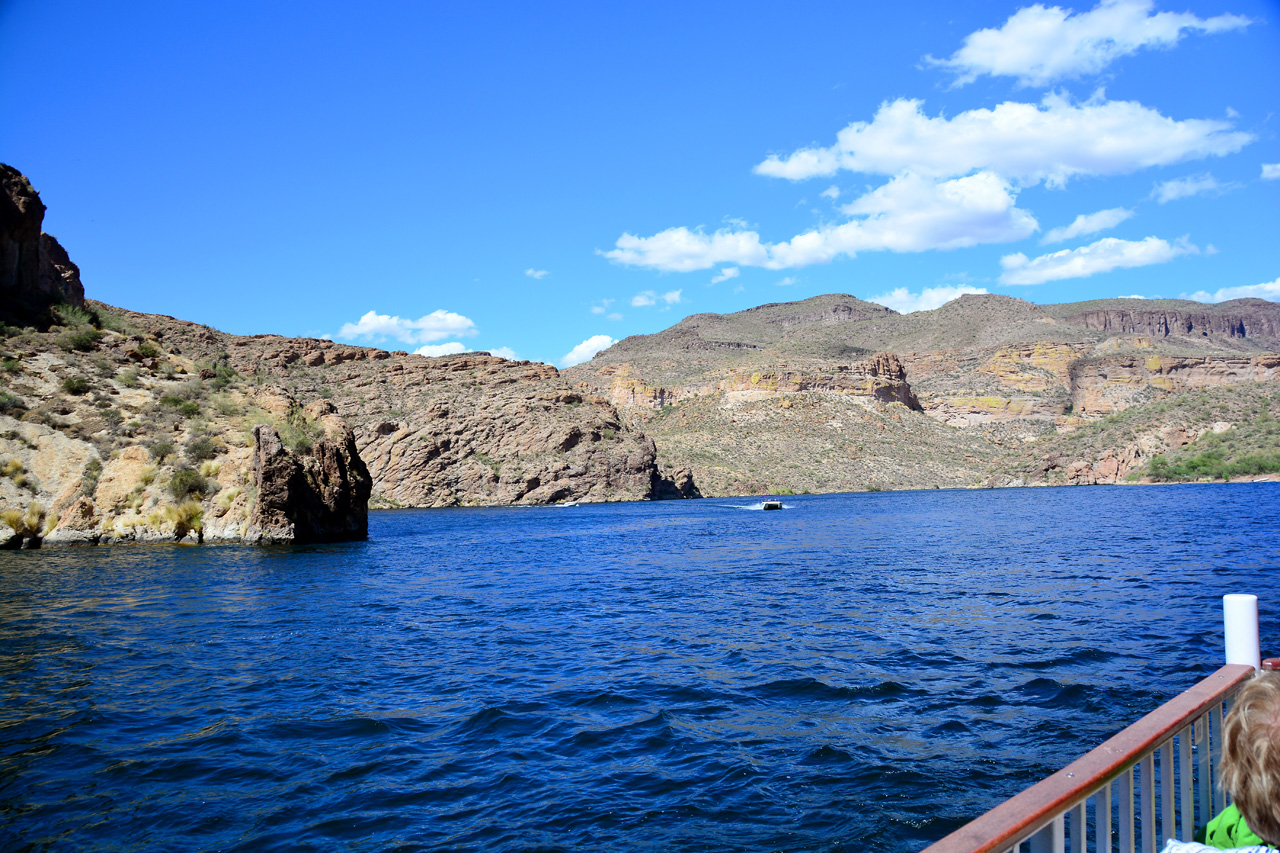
column 1250, row 766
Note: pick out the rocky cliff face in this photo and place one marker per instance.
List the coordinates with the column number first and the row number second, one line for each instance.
column 35, row 272
column 1240, row 318
column 318, row 497
column 759, row 400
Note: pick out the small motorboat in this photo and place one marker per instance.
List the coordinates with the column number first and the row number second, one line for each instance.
column 771, row 503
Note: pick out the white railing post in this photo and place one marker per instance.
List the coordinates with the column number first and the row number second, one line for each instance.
column 1240, row 628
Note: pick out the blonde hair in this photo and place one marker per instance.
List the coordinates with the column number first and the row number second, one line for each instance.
column 1250, row 766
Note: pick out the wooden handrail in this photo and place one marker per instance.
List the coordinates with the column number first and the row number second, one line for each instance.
column 1023, row 814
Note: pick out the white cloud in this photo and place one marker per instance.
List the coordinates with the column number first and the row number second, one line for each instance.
column 505, row 352
column 1027, row 143
column 1270, row 171
column 1087, row 223
column 538, row 274
column 586, row 350
column 726, row 274
column 1132, row 296
column 1105, row 255
column 786, row 282
column 832, row 192
column 1167, row 191
column 1040, row 46
column 433, row 327
column 597, row 309
column 905, row 302
column 441, row 349
column 1267, row 290
column 615, row 316
column 908, row 214
column 646, row 298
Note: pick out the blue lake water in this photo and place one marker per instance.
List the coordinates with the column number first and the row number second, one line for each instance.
column 857, row 672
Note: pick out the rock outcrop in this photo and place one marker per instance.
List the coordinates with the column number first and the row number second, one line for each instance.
column 35, row 272
column 1239, row 318
column 320, row 497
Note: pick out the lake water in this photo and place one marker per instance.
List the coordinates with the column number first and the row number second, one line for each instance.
column 857, row 672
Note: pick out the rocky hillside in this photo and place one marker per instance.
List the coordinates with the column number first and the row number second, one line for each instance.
column 116, row 425
column 121, row 419
column 834, row 393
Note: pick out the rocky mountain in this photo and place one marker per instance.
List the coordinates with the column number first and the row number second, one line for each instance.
column 116, row 425
column 121, row 419
column 833, row 393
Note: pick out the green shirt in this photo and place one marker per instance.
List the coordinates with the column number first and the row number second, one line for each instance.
column 1229, row 830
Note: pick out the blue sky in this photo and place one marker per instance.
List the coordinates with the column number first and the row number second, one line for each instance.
column 540, row 181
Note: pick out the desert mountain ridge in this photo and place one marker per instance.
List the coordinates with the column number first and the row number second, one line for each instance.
column 833, row 393
column 122, row 426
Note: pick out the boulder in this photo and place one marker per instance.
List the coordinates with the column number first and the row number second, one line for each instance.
column 79, row 524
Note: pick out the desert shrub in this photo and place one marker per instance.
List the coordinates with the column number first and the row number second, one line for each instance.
column 10, row 365
column 186, row 482
column 210, row 468
column 30, row 522
column 223, row 375
column 89, row 478
column 113, row 417
column 161, row 449
column 148, row 349
column 225, row 405
column 80, row 340
column 128, row 378
column 147, row 476
column 201, row 449
column 189, row 409
column 186, row 517
column 9, row 402
column 113, row 322
column 70, row 315
column 75, row 385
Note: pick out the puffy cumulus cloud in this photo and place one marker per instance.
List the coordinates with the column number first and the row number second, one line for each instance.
column 832, row 192
column 1167, row 191
column 672, row 297
column 538, row 274
column 586, row 350
column 905, row 302
column 1105, row 255
column 908, row 214
column 1271, row 171
column 1028, row 143
column 726, row 274
column 1266, row 290
column 433, row 327
column 1087, row 223
column 1041, row 45
column 441, row 349
column 505, row 352
column 683, row 250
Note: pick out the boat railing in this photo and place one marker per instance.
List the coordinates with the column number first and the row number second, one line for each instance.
column 1155, row 780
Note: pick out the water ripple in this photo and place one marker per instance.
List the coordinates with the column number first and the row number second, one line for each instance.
column 856, row 672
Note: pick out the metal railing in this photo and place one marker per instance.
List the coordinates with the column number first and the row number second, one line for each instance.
column 1160, row 771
